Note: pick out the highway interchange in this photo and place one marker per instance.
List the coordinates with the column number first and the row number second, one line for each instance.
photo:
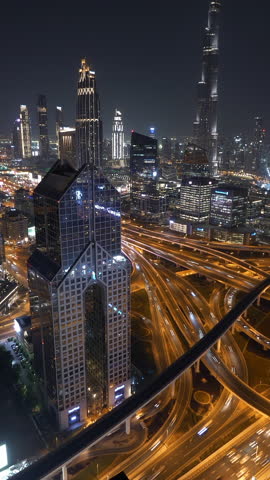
column 180, row 316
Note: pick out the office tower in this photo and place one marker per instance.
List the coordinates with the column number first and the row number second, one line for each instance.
column 17, row 139
column 67, row 146
column 205, row 126
column 43, row 127
column 166, row 151
column 88, row 120
column 195, row 162
column 195, row 197
column 58, row 125
column 25, row 132
column 258, row 164
column 228, row 206
column 147, row 203
column 79, row 284
column 14, row 226
column 118, row 137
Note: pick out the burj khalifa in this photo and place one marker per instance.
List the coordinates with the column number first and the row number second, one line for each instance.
column 205, row 126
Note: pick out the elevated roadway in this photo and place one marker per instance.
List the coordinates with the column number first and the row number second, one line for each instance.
column 46, row 467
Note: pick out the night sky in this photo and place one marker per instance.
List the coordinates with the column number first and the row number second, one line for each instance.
column 147, row 56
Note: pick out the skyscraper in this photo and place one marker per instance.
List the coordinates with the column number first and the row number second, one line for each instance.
column 147, row 202
column 228, row 206
column 88, row 120
column 67, row 146
column 17, row 139
column 195, row 162
column 43, row 127
column 257, row 165
column 79, row 284
column 58, row 124
column 195, row 196
column 205, row 126
column 118, row 137
column 25, row 132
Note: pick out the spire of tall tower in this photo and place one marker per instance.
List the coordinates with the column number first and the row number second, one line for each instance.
column 205, row 126
column 88, row 120
column 117, row 137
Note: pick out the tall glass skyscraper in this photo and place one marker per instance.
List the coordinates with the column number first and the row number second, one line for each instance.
column 58, row 125
column 205, row 126
column 25, row 132
column 88, row 120
column 117, row 137
column 17, row 139
column 43, row 127
column 147, row 203
column 79, row 284
column 79, row 293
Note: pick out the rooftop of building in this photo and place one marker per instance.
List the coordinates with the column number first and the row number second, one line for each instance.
column 57, row 181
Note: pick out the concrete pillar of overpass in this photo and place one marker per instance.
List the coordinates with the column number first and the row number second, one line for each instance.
column 233, row 328
column 127, row 423
column 259, row 301
column 64, row 472
column 197, row 366
column 219, row 345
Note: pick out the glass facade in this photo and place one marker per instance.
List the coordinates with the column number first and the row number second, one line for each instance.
column 43, row 127
column 195, row 196
column 84, row 291
column 88, row 120
column 228, row 206
column 147, row 202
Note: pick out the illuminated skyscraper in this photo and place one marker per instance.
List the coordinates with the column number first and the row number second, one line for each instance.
column 205, row 126
column 117, row 137
column 147, row 202
column 58, row 124
column 258, row 164
column 17, row 139
column 25, row 132
column 79, row 284
column 67, row 146
column 88, row 120
column 43, row 127
column 79, row 280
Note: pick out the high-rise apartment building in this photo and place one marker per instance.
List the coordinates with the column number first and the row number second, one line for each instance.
column 58, row 125
column 88, row 120
column 79, row 293
column 25, row 132
column 43, row 127
column 118, row 137
column 147, row 202
column 205, row 126
column 228, row 206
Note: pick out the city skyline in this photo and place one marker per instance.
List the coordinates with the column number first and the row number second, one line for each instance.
column 175, row 111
